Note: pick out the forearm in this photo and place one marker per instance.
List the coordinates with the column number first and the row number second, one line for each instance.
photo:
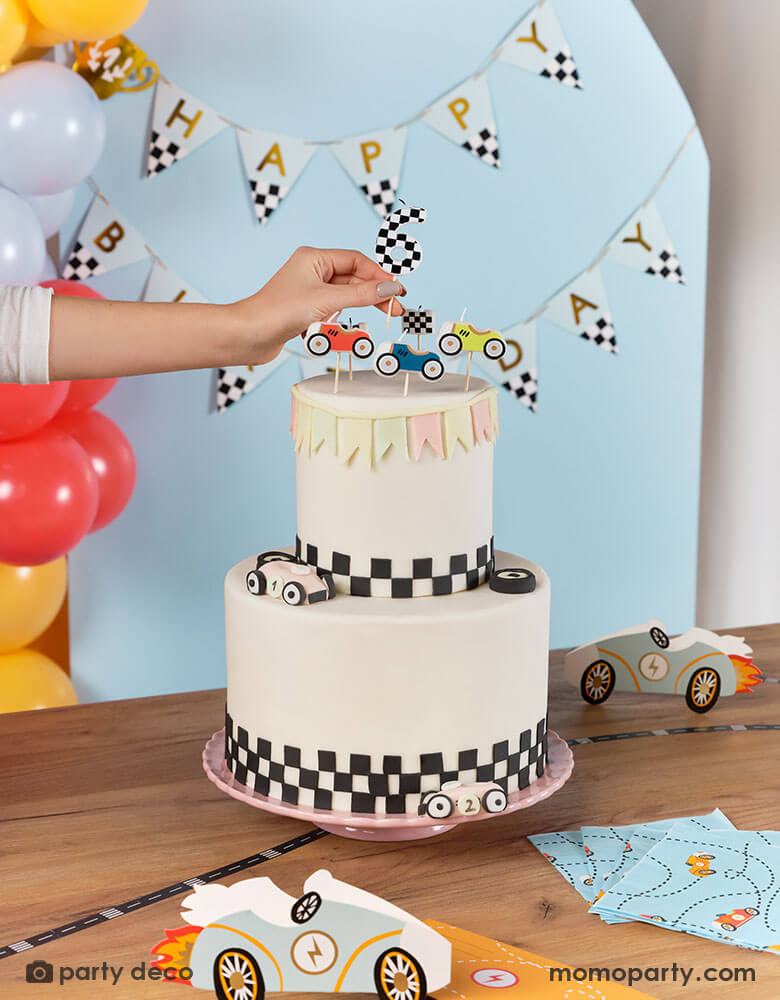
column 96, row 339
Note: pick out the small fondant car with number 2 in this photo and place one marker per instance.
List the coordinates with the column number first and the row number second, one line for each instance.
column 467, row 798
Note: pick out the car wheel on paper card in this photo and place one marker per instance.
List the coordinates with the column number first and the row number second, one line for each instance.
column 399, row 976
column 659, row 637
column 494, row 800
column 513, row 580
column 237, row 976
column 303, row 909
column 363, row 348
column 387, row 364
column 293, row 594
column 450, row 344
column 255, row 582
column 703, row 689
column 433, row 369
column 439, row 806
column 318, row 345
column 597, row 682
column 494, row 348
column 751, row 910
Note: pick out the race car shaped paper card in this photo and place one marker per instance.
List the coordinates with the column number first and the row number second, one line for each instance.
column 457, row 337
column 699, row 864
column 280, row 574
column 699, row 665
column 252, row 937
column 392, row 358
column 734, row 920
column 321, row 338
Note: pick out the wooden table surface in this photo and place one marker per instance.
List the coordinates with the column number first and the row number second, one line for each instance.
column 102, row 803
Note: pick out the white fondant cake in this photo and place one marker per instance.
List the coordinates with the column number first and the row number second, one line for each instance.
column 363, row 705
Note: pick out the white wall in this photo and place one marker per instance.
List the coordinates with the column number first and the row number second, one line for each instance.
column 724, row 54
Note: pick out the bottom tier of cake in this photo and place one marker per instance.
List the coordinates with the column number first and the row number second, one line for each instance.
column 364, row 704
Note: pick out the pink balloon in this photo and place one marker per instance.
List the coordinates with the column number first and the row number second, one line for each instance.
column 111, row 456
column 24, row 409
column 48, row 497
column 75, row 288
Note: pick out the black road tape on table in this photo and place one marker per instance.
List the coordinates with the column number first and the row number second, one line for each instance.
column 186, row 885
column 679, row 731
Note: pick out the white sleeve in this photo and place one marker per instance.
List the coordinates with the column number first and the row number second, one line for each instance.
column 24, row 334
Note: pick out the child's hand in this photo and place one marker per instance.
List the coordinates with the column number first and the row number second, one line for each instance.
column 310, row 288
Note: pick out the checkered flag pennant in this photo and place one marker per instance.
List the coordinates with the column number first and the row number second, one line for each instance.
column 273, row 164
column 374, row 163
column 238, row 381
column 582, row 308
column 465, row 116
column 538, row 44
column 180, row 124
column 517, row 370
column 105, row 241
column 644, row 245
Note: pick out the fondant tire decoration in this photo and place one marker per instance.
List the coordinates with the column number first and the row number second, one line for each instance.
column 304, row 908
column 433, row 369
column 494, row 800
column 439, row 806
column 255, row 582
column 399, row 976
column 387, row 364
column 494, row 348
column 273, row 556
column 237, row 976
column 318, row 344
column 293, row 594
column 597, row 682
column 450, row 344
column 513, row 580
column 327, row 578
column 703, row 689
column 659, row 637
column 363, row 348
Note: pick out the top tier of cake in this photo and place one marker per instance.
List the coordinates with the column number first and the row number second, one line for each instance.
column 395, row 493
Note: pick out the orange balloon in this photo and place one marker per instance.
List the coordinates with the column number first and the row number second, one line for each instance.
column 40, row 37
column 29, row 679
column 30, row 597
column 87, row 20
column 13, row 27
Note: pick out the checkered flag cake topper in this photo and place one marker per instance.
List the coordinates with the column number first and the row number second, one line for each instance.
column 390, row 240
column 418, row 322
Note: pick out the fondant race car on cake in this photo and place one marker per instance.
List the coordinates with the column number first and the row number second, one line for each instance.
column 320, row 338
column 457, row 337
column 279, row 574
column 468, row 799
column 334, row 938
column 392, row 358
column 698, row 664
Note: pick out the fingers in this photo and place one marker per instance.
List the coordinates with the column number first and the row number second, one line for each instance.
column 365, row 293
column 356, row 263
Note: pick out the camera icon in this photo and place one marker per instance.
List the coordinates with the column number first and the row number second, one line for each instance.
column 40, row 972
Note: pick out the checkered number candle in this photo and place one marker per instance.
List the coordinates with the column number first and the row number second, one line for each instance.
column 390, row 239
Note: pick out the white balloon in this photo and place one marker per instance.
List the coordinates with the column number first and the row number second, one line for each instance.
column 52, row 209
column 50, row 272
column 22, row 246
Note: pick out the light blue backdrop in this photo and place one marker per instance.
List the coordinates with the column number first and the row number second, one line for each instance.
column 600, row 486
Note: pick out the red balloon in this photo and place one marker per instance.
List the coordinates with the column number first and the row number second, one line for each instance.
column 48, row 497
column 111, row 456
column 76, row 288
column 84, row 393
column 24, row 409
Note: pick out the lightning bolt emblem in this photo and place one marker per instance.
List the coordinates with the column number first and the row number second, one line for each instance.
column 315, row 953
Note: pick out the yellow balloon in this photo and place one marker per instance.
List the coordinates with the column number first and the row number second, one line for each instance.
column 13, row 27
column 30, row 597
column 40, row 37
column 87, row 20
column 28, row 679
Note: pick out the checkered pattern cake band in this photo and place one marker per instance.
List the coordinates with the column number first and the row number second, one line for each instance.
column 163, row 151
column 428, row 576
column 418, row 322
column 666, row 265
column 563, row 69
column 266, row 198
column 524, row 386
column 360, row 783
column 381, row 194
column 230, row 388
column 81, row 264
column 602, row 333
column 389, row 241
column 484, row 144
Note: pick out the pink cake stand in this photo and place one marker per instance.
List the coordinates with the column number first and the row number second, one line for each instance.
column 359, row 826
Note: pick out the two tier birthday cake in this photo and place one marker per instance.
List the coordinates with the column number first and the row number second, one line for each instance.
column 405, row 652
